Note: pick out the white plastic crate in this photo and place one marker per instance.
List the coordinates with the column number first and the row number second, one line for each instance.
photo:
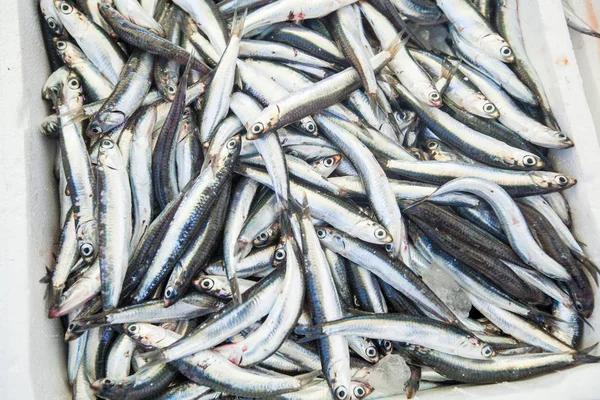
column 32, row 353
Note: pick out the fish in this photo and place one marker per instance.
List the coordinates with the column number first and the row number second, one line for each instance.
column 333, row 200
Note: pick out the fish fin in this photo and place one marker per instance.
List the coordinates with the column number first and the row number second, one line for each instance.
column 591, row 267
column 396, row 44
column 586, row 322
column 152, row 358
column 184, row 78
column 448, row 71
column 232, row 278
column 416, row 203
column 308, row 379
column 589, row 349
column 72, row 116
column 546, row 318
column 310, row 333
column 353, row 312
column 48, row 277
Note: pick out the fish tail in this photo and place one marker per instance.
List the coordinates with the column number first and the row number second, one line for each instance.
column 372, row 97
column 52, row 296
column 237, row 27
column 310, row 333
column 236, row 293
column 308, row 378
column 91, row 321
column 186, row 73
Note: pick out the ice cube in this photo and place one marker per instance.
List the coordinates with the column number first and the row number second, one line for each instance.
column 388, row 376
column 447, row 290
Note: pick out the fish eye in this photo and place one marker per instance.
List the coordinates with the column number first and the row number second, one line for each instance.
column 433, row 145
column 108, row 382
column 279, row 254
column 74, row 84
column 231, row 144
column 207, row 284
column 389, row 247
column 86, row 249
column 170, row 89
column 96, row 130
column 258, row 128
column 434, row 96
column 310, row 127
column 562, row 180
column 380, row 233
column 71, row 327
column 328, row 162
column 51, row 23
column 561, row 136
column 66, row 9
column 489, row 108
column 529, row 161
column 263, row 236
column 60, row 45
column 387, row 345
column 294, row 153
column 341, row 393
column 321, row 233
column 108, row 144
column 487, row 351
column 506, row 51
column 359, row 392
column 578, row 306
column 371, row 352
column 169, row 292
column 133, row 328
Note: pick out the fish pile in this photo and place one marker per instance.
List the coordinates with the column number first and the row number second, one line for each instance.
column 307, row 199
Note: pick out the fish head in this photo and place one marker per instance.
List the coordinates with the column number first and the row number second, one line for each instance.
column 280, row 253
column 55, row 25
column 584, row 305
column 109, row 155
column 264, row 122
column 49, row 127
column 332, row 239
column 215, row 286
column 551, row 181
column 73, row 88
column 325, row 166
column 61, row 45
column 74, row 21
column 427, row 94
column 563, row 140
column 478, row 104
column 53, row 87
column 87, row 240
column 530, row 161
column 146, row 334
column 360, row 390
column 110, row 388
column 472, row 347
column 105, row 121
column 498, row 47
